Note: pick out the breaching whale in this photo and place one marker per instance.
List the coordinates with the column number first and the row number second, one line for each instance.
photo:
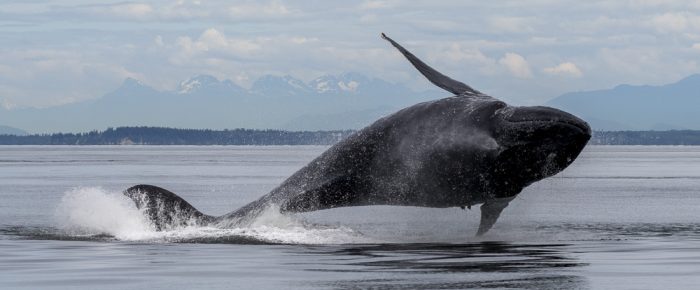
column 458, row 151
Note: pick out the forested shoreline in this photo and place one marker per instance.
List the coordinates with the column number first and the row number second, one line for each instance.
column 173, row 136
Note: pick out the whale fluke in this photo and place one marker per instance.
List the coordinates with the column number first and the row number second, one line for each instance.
column 435, row 77
column 164, row 208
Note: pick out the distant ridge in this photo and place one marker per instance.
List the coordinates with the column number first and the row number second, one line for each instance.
column 172, row 136
column 673, row 106
column 334, row 102
column 670, row 137
column 344, row 101
column 7, row 130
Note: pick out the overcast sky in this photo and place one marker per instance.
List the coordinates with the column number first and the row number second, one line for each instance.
column 525, row 52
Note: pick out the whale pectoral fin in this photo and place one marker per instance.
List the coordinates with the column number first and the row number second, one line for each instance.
column 435, row 77
column 490, row 211
column 164, row 208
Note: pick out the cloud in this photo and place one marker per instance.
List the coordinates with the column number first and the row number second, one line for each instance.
column 676, row 22
column 511, row 24
column 254, row 9
column 635, row 41
column 369, row 18
column 53, row 77
column 565, row 68
column 244, row 58
column 377, row 4
column 212, row 40
column 187, row 10
column 135, row 10
column 6, row 104
column 126, row 10
column 517, row 65
column 466, row 58
column 158, row 40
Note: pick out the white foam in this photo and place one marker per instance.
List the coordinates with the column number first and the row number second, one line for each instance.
column 94, row 211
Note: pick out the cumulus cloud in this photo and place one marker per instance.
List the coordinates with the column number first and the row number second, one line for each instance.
column 471, row 58
column 565, row 68
column 635, row 41
column 517, row 65
column 244, row 58
column 212, row 40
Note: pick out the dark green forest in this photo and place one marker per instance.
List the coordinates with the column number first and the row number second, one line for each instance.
column 671, row 137
column 171, row 136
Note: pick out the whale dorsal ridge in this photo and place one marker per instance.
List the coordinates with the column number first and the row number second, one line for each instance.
column 435, row 77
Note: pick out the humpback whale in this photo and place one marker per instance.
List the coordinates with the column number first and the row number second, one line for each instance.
column 458, row 151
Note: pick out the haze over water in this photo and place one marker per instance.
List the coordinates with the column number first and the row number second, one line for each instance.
column 619, row 218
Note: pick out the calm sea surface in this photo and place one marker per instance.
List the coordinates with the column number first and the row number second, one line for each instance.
column 619, row 218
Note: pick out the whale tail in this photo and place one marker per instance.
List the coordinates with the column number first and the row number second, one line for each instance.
column 165, row 209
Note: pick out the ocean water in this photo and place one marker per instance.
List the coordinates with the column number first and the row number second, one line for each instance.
column 621, row 217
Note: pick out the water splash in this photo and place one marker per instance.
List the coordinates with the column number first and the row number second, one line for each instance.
column 94, row 211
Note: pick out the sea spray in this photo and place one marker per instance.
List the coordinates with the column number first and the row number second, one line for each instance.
column 95, row 211
column 91, row 211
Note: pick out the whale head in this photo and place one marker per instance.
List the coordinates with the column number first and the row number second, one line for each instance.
column 534, row 143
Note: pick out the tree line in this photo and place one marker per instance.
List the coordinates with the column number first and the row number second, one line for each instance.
column 671, row 137
column 172, row 136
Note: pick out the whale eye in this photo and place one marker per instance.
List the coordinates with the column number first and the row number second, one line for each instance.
column 491, row 109
column 494, row 107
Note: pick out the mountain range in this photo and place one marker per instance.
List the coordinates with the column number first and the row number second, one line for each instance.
column 330, row 102
column 674, row 106
column 7, row 130
column 347, row 101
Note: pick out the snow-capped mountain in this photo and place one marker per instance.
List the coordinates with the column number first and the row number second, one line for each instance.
column 206, row 84
column 203, row 101
column 271, row 86
column 329, row 84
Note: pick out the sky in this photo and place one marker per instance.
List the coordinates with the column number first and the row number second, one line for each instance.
column 524, row 52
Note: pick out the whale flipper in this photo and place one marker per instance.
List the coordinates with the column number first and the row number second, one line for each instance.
column 164, row 208
column 490, row 211
column 435, row 77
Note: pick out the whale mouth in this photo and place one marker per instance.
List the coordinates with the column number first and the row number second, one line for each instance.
column 548, row 117
column 579, row 127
